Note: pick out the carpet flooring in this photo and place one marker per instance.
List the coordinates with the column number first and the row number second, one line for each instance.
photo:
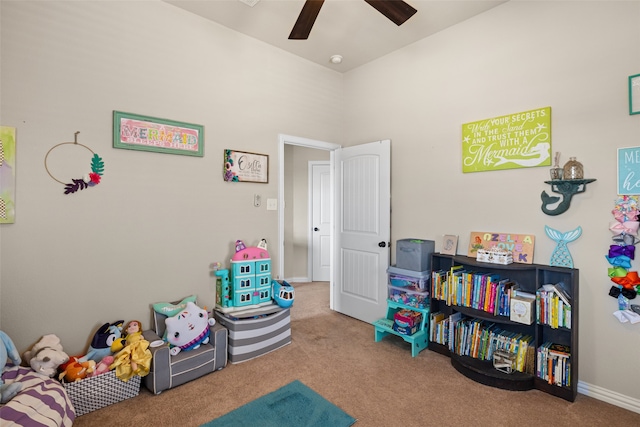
column 378, row 383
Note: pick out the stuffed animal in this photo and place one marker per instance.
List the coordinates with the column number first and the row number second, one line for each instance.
column 188, row 329
column 46, row 355
column 102, row 340
column 102, row 366
column 8, row 351
column 135, row 357
column 75, row 371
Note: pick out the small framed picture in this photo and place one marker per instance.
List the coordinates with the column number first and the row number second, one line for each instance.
column 634, row 94
column 449, row 244
column 240, row 166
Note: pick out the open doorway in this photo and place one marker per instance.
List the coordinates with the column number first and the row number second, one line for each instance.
column 294, row 213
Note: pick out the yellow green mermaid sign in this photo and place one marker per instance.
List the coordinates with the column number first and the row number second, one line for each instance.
column 520, row 140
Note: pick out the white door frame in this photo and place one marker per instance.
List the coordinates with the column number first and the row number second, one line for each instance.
column 309, row 143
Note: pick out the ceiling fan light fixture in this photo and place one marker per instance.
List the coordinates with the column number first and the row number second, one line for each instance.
column 336, row 59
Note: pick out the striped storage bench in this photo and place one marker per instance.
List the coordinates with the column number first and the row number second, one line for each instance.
column 255, row 332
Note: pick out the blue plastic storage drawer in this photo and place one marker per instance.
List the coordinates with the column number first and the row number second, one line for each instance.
column 399, row 277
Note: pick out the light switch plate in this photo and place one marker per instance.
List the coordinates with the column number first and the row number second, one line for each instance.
column 272, row 204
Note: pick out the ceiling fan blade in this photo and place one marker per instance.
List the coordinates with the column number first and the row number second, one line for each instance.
column 305, row 21
column 396, row 10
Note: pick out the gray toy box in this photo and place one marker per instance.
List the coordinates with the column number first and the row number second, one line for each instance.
column 255, row 332
column 414, row 254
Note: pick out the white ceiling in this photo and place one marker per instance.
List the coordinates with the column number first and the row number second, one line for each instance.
column 351, row 28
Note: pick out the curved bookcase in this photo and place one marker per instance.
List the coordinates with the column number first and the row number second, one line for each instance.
column 529, row 278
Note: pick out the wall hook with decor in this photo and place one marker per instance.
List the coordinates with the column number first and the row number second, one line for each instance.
column 89, row 180
column 567, row 188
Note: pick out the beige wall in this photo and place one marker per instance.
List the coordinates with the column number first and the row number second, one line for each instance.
column 573, row 56
column 150, row 230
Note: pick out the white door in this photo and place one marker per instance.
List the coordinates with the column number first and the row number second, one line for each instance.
column 320, row 221
column 362, row 229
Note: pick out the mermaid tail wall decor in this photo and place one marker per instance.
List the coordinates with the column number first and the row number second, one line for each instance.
column 561, row 256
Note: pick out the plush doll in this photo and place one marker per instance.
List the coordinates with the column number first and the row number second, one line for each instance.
column 188, row 329
column 8, row 352
column 135, row 357
column 46, row 355
column 102, row 366
column 102, row 340
column 75, row 371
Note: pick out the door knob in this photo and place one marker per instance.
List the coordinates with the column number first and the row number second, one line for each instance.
column 316, row 229
column 382, row 244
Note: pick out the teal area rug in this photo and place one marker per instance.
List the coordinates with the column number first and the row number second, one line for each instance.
column 294, row 405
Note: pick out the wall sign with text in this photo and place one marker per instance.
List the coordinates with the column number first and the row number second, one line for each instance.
column 145, row 133
column 240, row 166
column 520, row 140
column 520, row 245
column 629, row 171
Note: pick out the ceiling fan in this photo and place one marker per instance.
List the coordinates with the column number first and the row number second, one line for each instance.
column 396, row 10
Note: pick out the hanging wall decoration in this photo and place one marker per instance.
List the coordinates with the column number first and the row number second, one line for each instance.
column 240, row 166
column 519, row 140
column 561, row 256
column 145, row 133
column 621, row 253
column 634, row 94
column 7, row 174
column 90, row 179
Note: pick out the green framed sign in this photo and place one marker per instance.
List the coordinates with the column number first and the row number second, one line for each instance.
column 145, row 133
column 634, row 94
column 519, row 140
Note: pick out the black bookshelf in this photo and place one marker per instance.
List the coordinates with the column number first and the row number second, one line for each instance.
column 530, row 278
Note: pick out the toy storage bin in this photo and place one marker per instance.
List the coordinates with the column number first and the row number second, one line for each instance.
column 407, row 318
column 410, row 296
column 414, row 254
column 255, row 332
column 93, row 393
column 399, row 277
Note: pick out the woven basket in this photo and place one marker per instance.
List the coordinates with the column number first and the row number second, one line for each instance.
column 103, row 390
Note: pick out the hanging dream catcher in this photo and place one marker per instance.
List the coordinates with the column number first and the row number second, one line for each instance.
column 90, row 179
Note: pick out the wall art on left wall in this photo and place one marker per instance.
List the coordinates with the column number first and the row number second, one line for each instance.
column 145, row 133
column 7, row 175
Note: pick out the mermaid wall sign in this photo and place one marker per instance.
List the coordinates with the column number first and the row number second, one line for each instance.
column 514, row 141
column 561, row 257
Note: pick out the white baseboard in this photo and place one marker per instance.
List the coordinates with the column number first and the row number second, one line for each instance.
column 609, row 396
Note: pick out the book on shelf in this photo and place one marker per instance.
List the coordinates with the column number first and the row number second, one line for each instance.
column 434, row 323
column 559, row 350
column 558, row 289
column 551, row 309
column 554, row 364
column 454, row 319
